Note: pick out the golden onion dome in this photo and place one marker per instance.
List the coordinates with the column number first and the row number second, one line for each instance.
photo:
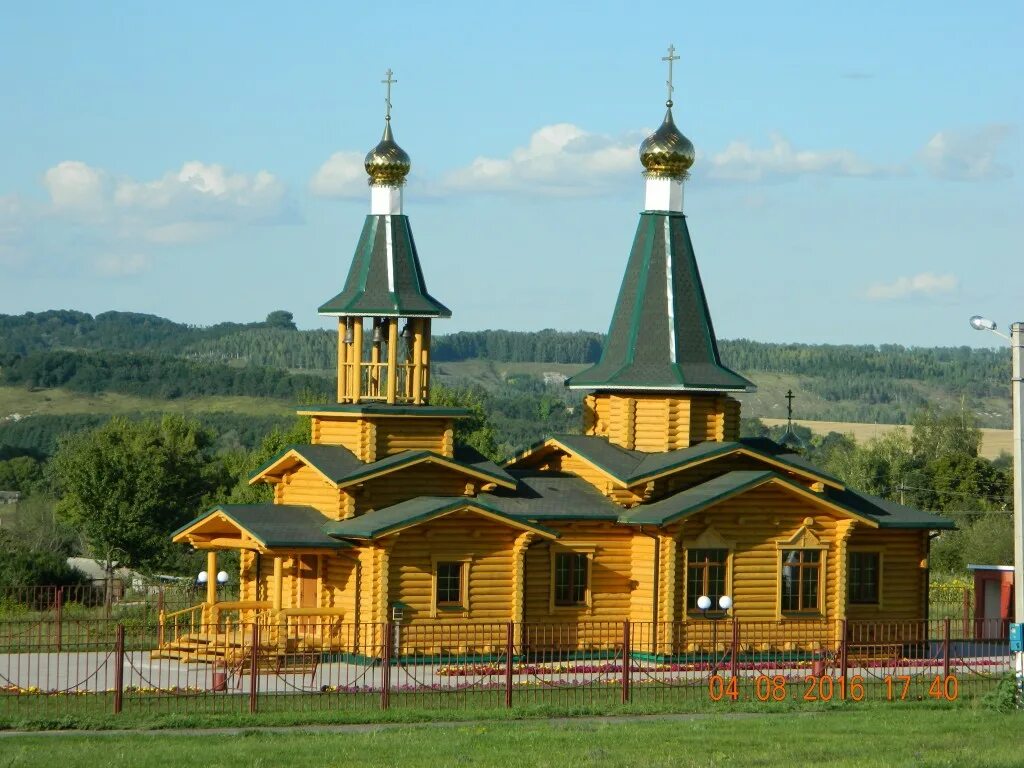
column 666, row 153
column 387, row 163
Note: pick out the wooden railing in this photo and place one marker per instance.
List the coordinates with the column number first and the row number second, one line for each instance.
column 278, row 627
column 182, row 622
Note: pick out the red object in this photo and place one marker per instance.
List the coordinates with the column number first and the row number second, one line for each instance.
column 220, row 680
column 819, row 667
column 993, row 601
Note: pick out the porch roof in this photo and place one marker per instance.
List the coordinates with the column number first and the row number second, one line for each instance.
column 273, row 526
column 381, row 522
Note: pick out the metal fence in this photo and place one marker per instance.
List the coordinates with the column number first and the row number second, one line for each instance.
column 95, row 666
column 101, row 600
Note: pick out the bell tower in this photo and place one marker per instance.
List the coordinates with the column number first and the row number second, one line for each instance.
column 384, row 310
column 660, row 383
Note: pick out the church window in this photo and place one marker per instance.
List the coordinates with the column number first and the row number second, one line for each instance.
column 705, row 575
column 865, row 576
column 801, row 580
column 572, row 571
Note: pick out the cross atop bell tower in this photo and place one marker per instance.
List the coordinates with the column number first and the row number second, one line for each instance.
column 384, row 309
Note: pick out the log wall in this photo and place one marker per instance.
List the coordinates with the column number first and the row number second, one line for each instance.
column 488, row 548
column 305, row 486
column 655, row 422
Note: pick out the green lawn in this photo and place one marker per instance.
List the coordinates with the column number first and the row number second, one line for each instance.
column 869, row 737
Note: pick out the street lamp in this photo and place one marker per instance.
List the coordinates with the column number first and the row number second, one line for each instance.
column 202, row 578
column 704, row 603
column 222, row 577
column 1016, row 339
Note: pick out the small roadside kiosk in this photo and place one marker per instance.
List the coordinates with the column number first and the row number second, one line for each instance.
column 993, row 600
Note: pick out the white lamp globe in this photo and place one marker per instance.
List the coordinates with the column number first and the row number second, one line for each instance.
column 222, row 577
column 703, row 602
column 202, row 578
column 725, row 602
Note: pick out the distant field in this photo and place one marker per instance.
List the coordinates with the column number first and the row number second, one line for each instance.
column 490, row 373
column 60, row 402
column 993, row 441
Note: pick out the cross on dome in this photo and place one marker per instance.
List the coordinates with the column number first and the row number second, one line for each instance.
column 670, row 58
column 387, row 99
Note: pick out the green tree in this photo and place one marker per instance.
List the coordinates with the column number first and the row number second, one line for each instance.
column 34, row 547
column 280, row 318
column 476, row 430
column 127, row 485
column 240, row 465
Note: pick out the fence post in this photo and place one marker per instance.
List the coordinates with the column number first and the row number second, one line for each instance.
column 118, row 669
column 160, row 616
column 385, row 683
column 967, row 613
column 844, row 660
column 626, row 662
column 60, row 617
column 734, row 662
column 254, row 668
column 509, row 652
column 945, row 648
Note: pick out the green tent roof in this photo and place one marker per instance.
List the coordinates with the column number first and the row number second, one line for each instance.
column 385, row 278
column 277, row 525
column 661, row 337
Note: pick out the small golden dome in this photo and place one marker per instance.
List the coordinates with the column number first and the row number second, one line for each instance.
column 666, row 153
column 387, row 163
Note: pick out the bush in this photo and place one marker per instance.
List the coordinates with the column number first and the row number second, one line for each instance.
column 1003, row 698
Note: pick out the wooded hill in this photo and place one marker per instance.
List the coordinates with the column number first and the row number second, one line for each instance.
column 157, row 360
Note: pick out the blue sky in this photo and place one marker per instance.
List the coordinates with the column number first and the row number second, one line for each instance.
column 858, row 176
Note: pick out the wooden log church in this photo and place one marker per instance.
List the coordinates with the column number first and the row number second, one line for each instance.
column 656, row 504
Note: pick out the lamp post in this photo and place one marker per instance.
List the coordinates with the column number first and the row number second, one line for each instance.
column 704, row 603
column 1016, row 339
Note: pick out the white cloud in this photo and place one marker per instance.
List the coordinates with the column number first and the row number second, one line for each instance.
column 343, row 175
column 922, row 284
column 121, row 265
column 204, row 191
column 561, row 159
column 75, row 186
column 967, row 155
column 122, row 215
column 740, row 161
column 119, row 220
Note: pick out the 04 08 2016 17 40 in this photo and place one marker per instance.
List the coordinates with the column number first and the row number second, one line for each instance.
column 828, row 688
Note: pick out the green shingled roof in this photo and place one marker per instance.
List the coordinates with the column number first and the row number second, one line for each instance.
column 552, row 496
column 661, row 337
column 383, row 409
column 889, row 514
column 277, row 525
column 695, row 499
column 692, row 500
column 385, row 277
column 379, row 522
column 631, row 467
column 342, row 467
